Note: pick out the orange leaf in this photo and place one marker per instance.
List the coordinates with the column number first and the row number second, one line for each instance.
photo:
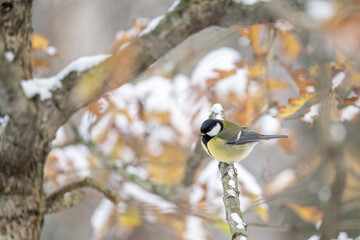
column 222, row 74
column 296, row 105
column 291, row 46
column 257, row 70
column 38, row 42
column 309, row 214
column 276, row 84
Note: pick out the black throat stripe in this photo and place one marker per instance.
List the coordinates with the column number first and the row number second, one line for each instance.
column 205, row 139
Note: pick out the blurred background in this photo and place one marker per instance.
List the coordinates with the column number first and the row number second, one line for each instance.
column 302, row 81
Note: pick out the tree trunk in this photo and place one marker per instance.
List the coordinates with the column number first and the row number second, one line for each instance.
column 23, row 144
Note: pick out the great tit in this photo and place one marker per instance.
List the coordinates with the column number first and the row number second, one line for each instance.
column 229, row 142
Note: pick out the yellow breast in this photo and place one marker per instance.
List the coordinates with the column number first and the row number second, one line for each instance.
column 220, row 150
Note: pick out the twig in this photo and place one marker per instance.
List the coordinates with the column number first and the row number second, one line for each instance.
column 60, row 200
column 238, row 227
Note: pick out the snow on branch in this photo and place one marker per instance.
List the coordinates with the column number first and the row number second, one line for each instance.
column 45, row 86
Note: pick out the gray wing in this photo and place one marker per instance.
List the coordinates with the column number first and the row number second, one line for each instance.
column 249, row 136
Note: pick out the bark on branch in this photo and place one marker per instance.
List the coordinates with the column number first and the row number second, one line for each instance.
column 60, row 200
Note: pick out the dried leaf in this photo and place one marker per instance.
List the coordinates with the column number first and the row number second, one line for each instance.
column 296, row 105
column 258, row 69
column 291, row 46
column 273, row 84
column 262, row 212
column 309, row 214
column 38, row 42
column 131, row 218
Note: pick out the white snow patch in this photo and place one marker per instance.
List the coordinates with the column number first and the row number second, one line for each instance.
column 4, row 121
column 194, row 229
column 235, row 83
column 236, row 218
column 338, row 79
column 231, row 183
column 152, row 25
column 311, row 114
column 173, row 6
column 87, row 119
column 349, row 113
column 283, row 26
column 243, row 238
column 101, row 215
column 196, row 195
column 217, row 109
column 320, row 10
column 246, row 2
column 9, row 56
column 269, row 124
column 248, row 180
column 44, row 86
column 138, row 171
column 318, row 224
column 51, row 50
column 282, row 180
column 60, row 137
column 343, row 236
column 221, row 59
column 314, row 237
column 231, row 192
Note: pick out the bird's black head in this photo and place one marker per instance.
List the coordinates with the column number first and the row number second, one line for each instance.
column 211, row 127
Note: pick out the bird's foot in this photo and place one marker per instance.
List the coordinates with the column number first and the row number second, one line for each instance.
column 226, row 170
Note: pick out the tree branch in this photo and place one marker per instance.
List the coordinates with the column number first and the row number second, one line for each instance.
column 187, row 18
column 59, row 200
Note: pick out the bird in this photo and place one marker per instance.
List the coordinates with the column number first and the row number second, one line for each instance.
column 229, row 142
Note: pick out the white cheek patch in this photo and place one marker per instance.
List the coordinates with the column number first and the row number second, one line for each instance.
column 214, row 131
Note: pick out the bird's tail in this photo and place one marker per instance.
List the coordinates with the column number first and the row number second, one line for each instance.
column 267, row 137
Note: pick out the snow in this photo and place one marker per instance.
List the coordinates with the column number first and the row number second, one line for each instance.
column 138, row 171
column 9, row 56
column 235, row 83
column 44, row 86
column 173, row 6
column 231, row 183
column 87, row 119
column 349, row 113
column 311, row 114
column 282, row 180
column 314, row 237
column 51, row 50
column 243, row 238
column 101, row 215
column 194, row 229
column 268, row 124
column 133, row 191
column 338, row 79
column 221, row 59
column 152, row 25
column 283, row 26
column 236, row 218
column 231, row 192
column 320, row 10
column 246, row 2
column 217, row 110
column 4, row 121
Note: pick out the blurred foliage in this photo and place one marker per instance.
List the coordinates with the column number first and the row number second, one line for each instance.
column 319, row 67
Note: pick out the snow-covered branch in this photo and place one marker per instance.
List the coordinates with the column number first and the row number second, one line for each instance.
column 181, row 21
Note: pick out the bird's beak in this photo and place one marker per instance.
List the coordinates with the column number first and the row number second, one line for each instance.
column 201, row 134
